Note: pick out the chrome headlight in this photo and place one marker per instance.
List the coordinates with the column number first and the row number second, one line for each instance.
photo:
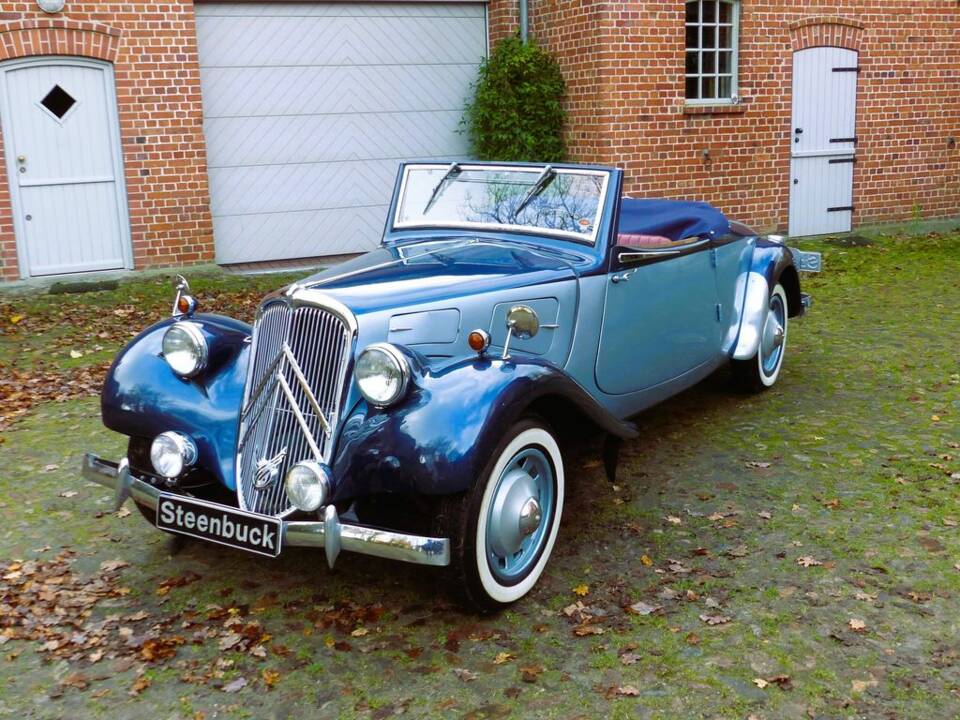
column 185, row 349
column 382, row 373
column 308, row 485
column 171, row 453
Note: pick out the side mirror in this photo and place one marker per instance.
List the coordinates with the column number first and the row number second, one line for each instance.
column 522, row 322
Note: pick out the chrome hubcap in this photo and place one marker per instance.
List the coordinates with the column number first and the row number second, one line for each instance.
column 530, row 516
column 516, row 531
column 774, row 335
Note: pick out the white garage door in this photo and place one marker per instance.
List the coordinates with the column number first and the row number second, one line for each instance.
column 309, row 108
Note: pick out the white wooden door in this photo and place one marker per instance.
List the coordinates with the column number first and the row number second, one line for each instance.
column 310, row 107
column 823, row 140
column 62, row 146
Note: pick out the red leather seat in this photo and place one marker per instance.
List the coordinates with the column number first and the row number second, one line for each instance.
column 643, row 241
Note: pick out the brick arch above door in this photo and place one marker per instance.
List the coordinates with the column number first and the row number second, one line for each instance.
column 824, row 31
column 58, row 36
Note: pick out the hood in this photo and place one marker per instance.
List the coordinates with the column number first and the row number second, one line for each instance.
column 438, row 270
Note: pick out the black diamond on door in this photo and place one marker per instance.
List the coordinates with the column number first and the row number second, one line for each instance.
column 58, row 101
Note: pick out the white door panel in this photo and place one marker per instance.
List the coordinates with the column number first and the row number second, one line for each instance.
column 823, row 140
column 63, row 157
column 304, row 186
column 309, row 108
column 820, row 201
column 290, row 139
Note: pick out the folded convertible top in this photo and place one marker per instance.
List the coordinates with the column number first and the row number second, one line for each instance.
column 674, row 219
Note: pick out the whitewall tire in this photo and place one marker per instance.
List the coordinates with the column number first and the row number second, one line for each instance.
column 763, row 369
column 503, row 530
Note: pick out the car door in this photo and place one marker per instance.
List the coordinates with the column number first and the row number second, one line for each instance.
column 660, row 315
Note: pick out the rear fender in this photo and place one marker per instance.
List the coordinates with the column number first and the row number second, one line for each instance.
column 439, row 441
column 770, row 261
column 143, row 397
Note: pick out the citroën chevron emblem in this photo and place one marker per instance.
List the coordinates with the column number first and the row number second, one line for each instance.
column 268, row 470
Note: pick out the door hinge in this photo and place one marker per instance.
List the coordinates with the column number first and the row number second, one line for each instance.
column 844, row 140
column 713, row 257
column 719, row 311
column 842, row 161
column 847, row 69
column 843, row 208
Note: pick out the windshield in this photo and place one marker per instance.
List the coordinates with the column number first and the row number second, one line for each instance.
column 561, row 202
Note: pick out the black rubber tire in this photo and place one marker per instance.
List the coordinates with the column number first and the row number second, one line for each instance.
column 457, row 518
column 748, row 375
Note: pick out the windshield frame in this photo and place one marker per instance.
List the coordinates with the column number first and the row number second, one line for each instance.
column 534, row 170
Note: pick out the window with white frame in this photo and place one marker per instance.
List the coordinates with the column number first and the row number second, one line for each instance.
column 713, row 28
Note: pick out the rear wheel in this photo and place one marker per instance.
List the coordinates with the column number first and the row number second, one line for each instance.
column 503, row 529
column 762, row 370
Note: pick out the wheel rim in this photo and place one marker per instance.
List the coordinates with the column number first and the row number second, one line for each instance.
column 518, row 521
column 774, row 336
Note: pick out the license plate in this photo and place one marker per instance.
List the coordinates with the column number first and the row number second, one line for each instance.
column 219, row 524
column 807, row 261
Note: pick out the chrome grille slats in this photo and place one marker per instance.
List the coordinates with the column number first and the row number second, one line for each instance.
column 309, row 348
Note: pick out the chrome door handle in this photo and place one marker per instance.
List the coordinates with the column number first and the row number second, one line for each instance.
column 622, row 277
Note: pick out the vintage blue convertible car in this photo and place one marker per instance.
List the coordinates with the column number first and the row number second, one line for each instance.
column 409, row 403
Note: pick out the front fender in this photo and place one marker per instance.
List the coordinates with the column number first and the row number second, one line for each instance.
column 143, row 397
column 439, row 441
column 769, row 262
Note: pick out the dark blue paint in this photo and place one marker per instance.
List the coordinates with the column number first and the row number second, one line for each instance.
column 143, row 397
column 444, row 270
column 674, row 219
column 773, row 261
column 441, row 437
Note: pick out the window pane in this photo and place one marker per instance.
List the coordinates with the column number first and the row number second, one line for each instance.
column 726, row 86
column 709, row 88
column 693, row 36
column 726, row 36
column 693, row 91
column 693, row 66
column 709, row 11
column 726, row 62
column 709, row 36
column 726, row 12
column 709, row 63
column 693, row 11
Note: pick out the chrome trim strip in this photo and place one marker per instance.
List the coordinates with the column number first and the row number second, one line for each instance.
column 354, row 538
column 305, row 386
column 628, row 256
column 300, row 296
column 298, row 414
column 320, row 339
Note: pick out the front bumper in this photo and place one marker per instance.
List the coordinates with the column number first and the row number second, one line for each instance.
column 331, row 534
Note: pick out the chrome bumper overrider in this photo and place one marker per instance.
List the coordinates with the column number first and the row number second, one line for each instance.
column 331, row 534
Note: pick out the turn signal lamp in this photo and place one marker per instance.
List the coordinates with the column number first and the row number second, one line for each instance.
column 478, row 340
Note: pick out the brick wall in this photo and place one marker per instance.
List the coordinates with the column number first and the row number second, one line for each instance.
column 624, row 65
column 154, row 52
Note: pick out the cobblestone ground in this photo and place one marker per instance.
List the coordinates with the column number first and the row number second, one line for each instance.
column 791, row 554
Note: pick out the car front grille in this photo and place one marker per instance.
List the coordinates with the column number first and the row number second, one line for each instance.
column 298, row 366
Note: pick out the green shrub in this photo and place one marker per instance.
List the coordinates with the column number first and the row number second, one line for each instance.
column 517, row 111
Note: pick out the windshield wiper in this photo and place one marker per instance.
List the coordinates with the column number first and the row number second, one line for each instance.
column 452, row 172
column 543, row 182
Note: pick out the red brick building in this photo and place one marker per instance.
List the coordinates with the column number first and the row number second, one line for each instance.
column 159, row 134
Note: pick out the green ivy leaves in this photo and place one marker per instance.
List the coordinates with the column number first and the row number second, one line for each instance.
column 517, row 111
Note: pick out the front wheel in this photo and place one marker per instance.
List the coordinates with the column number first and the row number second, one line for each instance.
column 503, row 529
column 762, row 370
